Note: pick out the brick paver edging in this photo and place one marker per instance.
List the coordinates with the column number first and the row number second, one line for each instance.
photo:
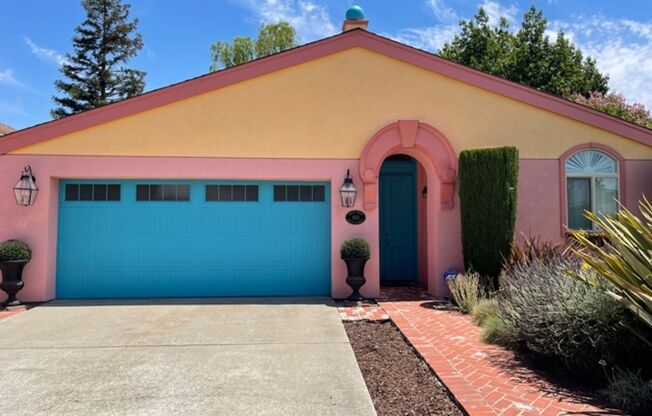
column 6, row 313
column 485, row 379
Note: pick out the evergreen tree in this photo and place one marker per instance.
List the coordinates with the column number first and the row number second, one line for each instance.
column 527, row 57
column 481, row 46
column 272, row 38
column 96, row 73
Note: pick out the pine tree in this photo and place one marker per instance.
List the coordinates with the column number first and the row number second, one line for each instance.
column 96, row 72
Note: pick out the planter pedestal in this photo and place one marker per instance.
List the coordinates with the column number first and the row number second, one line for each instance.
column 12, row 280
column 355, row 276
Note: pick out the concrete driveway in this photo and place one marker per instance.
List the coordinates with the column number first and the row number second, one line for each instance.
column 202, row 357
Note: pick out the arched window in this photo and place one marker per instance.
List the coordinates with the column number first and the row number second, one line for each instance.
column 592, row 185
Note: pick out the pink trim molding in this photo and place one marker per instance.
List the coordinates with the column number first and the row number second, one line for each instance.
column 347, row 40
column 409, row 136
column 562, row 176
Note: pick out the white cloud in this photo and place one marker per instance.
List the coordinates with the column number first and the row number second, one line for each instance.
column 427, row 38
column 8, row 78
column 442, row 11
column 622, row 49
column 432, row 38
column 495, row 11
column 45, row 54
column 310, row 19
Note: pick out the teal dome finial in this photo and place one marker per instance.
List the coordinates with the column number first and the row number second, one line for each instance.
column 355, row 13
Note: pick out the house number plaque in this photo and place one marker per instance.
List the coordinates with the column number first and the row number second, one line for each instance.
column 355, row 217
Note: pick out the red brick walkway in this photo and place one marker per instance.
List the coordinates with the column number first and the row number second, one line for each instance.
column 485, row 379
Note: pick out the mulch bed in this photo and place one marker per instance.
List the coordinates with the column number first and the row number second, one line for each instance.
column 399, row 382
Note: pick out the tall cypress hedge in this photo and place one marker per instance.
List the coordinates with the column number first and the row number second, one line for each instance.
column 488, row 186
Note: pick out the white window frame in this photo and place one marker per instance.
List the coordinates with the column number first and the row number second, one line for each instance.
column 592, row 177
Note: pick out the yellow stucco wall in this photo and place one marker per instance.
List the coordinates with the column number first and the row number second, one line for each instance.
column 329, row 108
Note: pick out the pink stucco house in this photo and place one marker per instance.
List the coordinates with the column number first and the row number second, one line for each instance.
column 228, row 184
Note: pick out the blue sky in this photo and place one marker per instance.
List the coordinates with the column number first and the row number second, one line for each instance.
column 35, row 35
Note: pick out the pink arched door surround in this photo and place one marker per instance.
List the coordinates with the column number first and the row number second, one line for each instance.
column 414, row 138
column 436, row 155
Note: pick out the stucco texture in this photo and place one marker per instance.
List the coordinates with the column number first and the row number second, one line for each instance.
column 329, row 108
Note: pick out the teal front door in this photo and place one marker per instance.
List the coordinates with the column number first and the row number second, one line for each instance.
column 398, row 221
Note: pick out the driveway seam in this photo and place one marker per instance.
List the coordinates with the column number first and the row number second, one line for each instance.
column 235, row 344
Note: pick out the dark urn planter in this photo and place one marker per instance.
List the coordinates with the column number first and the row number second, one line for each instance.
column 12, row 280
column 355, row 276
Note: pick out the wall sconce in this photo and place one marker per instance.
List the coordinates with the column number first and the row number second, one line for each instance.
column 25, row 190
column 348, row 191
column 424, row 192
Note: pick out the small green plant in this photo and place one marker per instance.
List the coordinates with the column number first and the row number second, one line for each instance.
column 495, row 330
column 14, row 250
column 485, row 309
column 467, row 290
column 355, row 248
column 628, row 391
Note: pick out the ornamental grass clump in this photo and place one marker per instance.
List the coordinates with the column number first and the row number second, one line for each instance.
column 467, row 290
column 485, row 309
column 625, row 260
column 533, row 250
column 14, row 250
column 560, row 318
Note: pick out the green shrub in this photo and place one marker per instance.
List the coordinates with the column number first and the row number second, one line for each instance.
column 484, row 309
column 495, row 330
column 14, row 250
column 628, row 391
column 355, row 248
column 488, row 188
column 467, row 290
column 561, row 318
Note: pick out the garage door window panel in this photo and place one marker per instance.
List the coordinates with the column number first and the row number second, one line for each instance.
column 92, row 192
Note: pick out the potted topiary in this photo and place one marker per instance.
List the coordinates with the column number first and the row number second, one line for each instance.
column 355, row 252
column 14, row 255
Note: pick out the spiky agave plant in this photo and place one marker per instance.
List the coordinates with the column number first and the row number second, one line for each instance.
column 625, row 261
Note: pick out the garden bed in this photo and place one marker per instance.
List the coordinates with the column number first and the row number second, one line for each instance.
column 399, row 382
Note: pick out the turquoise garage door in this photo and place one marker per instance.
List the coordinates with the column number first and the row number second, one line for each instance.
column 139, row 239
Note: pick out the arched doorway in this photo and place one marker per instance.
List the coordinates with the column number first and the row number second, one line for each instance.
column 431, row 150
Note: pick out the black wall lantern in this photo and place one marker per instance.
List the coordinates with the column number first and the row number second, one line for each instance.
column 424, row 192
column 25, row 190
column 348, row 191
